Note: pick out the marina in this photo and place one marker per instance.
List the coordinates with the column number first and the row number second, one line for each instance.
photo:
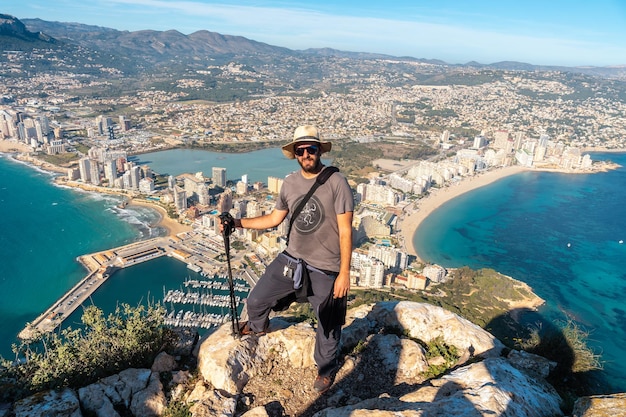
column 210, row 295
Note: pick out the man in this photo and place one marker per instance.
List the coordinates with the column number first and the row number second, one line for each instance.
column 321, row 236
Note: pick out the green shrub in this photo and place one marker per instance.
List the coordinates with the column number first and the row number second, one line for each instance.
column 129, row 337
column 439, row 348
column 177, row 409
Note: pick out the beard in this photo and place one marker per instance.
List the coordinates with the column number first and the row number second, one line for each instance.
column 311, row 164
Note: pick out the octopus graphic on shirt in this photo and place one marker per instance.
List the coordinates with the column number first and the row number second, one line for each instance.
column 311, row 216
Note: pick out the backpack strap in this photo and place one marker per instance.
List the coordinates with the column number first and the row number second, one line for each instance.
column 321, row 178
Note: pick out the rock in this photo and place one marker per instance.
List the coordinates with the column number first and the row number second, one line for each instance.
column 613, row 405
column 137, row 389
column 187, row 339
column 211, row 403
column 427, row 323
column 403, row 357
column 228, row 363
column 197, row 394
column 225, row 361
column 61, row 403
column 94, row 400
column 163, row 363
column 150, row 401
column 121, row 387
column 529, row 362
column 294, row 343
column 178, row 384
column 490, row 387
column 256, row 412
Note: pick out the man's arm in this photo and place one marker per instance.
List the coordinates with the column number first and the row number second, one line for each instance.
column 342, row 283
column 266, row 221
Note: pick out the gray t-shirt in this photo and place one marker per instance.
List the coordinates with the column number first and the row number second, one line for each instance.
column 315, row 233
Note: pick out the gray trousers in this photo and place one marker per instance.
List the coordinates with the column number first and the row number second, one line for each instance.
column 274, row 285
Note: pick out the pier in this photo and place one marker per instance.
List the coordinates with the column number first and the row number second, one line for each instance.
column 195, row 250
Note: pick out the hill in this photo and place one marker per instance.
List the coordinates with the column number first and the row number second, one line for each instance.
column 170, row 49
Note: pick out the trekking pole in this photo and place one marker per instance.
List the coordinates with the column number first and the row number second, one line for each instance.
column 228, row 224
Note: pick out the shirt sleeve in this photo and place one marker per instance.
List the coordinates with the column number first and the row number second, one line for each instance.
column 344, row 201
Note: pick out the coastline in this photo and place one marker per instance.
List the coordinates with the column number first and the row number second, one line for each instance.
column 421, row 209
column 19, row 152
column 172, row 226
column 415, row 213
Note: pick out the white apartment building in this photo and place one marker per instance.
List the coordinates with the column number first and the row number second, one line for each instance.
column 84, row 167
column 110, row 171
column 146, row 185
column 274, row 184
column 219, row 176
column 392, row 258
column 435, row 273
column 367, row 272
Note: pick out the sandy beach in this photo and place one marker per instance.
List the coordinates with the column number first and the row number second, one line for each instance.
column 415, row 214
column 172, row 225
column 9, row 146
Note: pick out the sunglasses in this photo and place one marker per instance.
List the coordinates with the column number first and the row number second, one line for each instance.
column 311, row 149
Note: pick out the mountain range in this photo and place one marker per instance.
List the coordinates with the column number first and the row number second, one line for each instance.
column 165, row 48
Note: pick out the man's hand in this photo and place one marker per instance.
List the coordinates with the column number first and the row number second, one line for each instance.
column 227, row 223
column 342, row 286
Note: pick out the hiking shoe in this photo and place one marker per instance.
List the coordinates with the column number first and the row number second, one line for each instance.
column 323, row 383
column 244, row 330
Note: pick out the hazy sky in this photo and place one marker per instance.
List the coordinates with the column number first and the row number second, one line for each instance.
column 548, row 32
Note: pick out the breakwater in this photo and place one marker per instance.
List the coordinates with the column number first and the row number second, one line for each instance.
column 194, row 250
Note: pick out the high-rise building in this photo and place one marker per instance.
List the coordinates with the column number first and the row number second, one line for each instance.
column 110, row 171
column 501, row 139
column 103, row 124
column 225, row 202
column 479, row 142
column 84, row 166
column 135, row 177
column 126, row 181
column 180, row 199
column 94, row 172
column 73, row 174
column 146, row 185
column 274, row 184
column 241, row 188
column 124, row 123
column 203, row 195
column 219, row 176
column 253, row 209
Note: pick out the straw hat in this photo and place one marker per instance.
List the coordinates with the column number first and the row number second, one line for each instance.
column 305, row 134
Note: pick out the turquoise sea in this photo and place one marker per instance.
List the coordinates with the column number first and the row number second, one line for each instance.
column 44, row 228
column 559, row 233
column 520, row 226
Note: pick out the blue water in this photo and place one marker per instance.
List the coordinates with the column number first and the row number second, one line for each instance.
column 46, row 227
column 560, row 234
column 257, row 165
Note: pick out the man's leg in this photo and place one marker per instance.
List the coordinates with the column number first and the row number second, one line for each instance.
column 272, row 286
column 325, row 353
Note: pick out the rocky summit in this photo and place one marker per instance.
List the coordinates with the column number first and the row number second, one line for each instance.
column 387, row 369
